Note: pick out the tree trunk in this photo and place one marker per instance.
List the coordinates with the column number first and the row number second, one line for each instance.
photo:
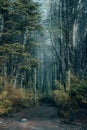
column 34, row 86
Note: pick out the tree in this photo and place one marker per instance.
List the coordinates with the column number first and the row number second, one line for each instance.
column 64, row 16
column 19, row 21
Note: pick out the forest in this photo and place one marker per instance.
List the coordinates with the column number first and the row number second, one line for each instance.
column 43, row 63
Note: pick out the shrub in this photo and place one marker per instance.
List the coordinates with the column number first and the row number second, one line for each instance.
column 58, row 85
column 62, row 101
column 74, row 99
column 30, row 97
column 60, row 97
column 13, row 99
column 14, row 96
column 5, row 103
column 79, row 92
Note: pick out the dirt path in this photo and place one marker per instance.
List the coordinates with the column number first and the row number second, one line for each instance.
column 38, row 118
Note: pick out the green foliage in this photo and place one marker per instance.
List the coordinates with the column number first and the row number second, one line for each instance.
column 13, row 99
column 30, row 97
column 60, row 97
column 58, row 85
column 79, row 92
column 75, row 97
column 20, row 20
column 5, row 103
column 62, row 101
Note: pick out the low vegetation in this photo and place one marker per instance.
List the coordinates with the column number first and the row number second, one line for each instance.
column 74, row 99
column 14, row 99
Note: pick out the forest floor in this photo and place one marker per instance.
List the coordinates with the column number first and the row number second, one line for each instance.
column 42, row 117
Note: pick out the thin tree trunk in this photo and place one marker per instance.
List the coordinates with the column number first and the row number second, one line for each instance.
column 25, row 36
column 22, row 79
column 15, row 80
column 34, row 85
column 1, row 26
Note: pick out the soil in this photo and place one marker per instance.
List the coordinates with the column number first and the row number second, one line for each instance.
column 42, row 117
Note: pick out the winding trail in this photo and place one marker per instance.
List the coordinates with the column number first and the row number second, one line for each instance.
column 42, row 117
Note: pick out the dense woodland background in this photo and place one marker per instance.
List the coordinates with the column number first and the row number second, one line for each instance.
column 43, row 54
